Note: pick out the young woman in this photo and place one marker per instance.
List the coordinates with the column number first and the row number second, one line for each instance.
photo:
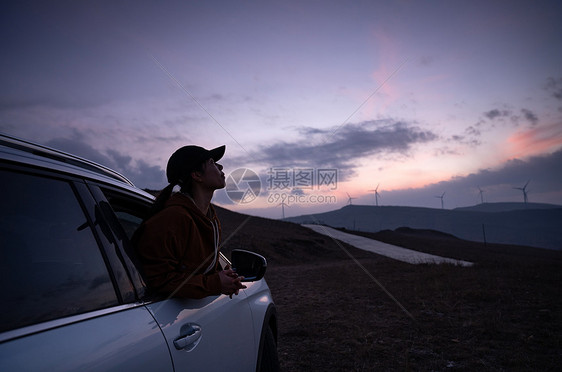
column 178, row 246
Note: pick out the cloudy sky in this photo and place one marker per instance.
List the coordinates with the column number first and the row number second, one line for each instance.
column 417, row 98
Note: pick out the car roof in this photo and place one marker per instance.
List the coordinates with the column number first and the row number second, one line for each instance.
column 22, row 151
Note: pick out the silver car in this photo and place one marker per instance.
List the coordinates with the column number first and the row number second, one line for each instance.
column 73, row 298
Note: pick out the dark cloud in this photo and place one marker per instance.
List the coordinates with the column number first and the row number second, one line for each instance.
column 469, row 138
column 340, row 148
column 496, row 113
column 139, row 172
column 471, row 131
column 148, row 176
column 500, row 115
column 530, row 116
column 77, row 146
column 311, row 131
column 554, row 87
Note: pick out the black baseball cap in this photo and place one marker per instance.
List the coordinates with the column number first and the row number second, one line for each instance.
column 188, row 158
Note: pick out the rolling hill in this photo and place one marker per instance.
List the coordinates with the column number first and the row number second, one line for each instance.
column 507, row 223
column 506, row 207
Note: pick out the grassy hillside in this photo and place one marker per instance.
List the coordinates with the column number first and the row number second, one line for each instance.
column 344, row 309
column 282, row 243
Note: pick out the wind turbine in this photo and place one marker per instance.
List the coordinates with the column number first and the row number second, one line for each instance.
column 481, row 195
column 441, row 197
column 283, row 204
column 524, row 189
column 376, row 195
column 349, row 198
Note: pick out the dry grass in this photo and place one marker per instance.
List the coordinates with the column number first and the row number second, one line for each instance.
column 504, row 313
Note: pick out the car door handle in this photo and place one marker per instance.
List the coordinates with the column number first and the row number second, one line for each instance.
column 190, row 335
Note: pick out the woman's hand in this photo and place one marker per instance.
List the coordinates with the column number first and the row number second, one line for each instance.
column 231, row 283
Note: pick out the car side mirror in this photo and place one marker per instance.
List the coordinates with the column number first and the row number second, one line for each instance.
column 248, row 264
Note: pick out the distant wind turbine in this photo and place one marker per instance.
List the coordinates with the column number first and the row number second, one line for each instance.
column 376, row 195
column 283, row 204
column 441, row 197
column 524, row 189
column 349, row 198
column 481, row 195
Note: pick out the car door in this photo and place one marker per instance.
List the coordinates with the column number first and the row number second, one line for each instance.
column 211, row 334
column 117, row 339
column 61, row 306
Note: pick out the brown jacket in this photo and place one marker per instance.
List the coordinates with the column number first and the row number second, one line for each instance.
column 178, row 249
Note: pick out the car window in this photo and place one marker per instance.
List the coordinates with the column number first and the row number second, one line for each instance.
column 129, row 221
column 129, row 211
column 50, row 263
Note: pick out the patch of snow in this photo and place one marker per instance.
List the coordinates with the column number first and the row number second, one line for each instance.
column 388, row 250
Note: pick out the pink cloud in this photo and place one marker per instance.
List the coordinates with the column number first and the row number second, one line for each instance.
column 538, row 140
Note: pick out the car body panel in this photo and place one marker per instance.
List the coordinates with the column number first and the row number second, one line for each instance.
column 127, row 340
column 227, row 334
column 259, row 301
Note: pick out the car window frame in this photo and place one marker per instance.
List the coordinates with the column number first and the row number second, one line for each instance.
column 126, row 291
column 127, row 263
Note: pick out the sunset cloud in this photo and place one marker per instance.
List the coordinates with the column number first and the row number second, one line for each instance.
column 544, row 173
column 537, row 140
column 344, row 147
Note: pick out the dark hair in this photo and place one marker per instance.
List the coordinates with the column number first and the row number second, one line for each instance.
column 185, row 183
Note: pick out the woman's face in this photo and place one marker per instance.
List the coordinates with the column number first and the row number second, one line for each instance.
column 212, row 175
